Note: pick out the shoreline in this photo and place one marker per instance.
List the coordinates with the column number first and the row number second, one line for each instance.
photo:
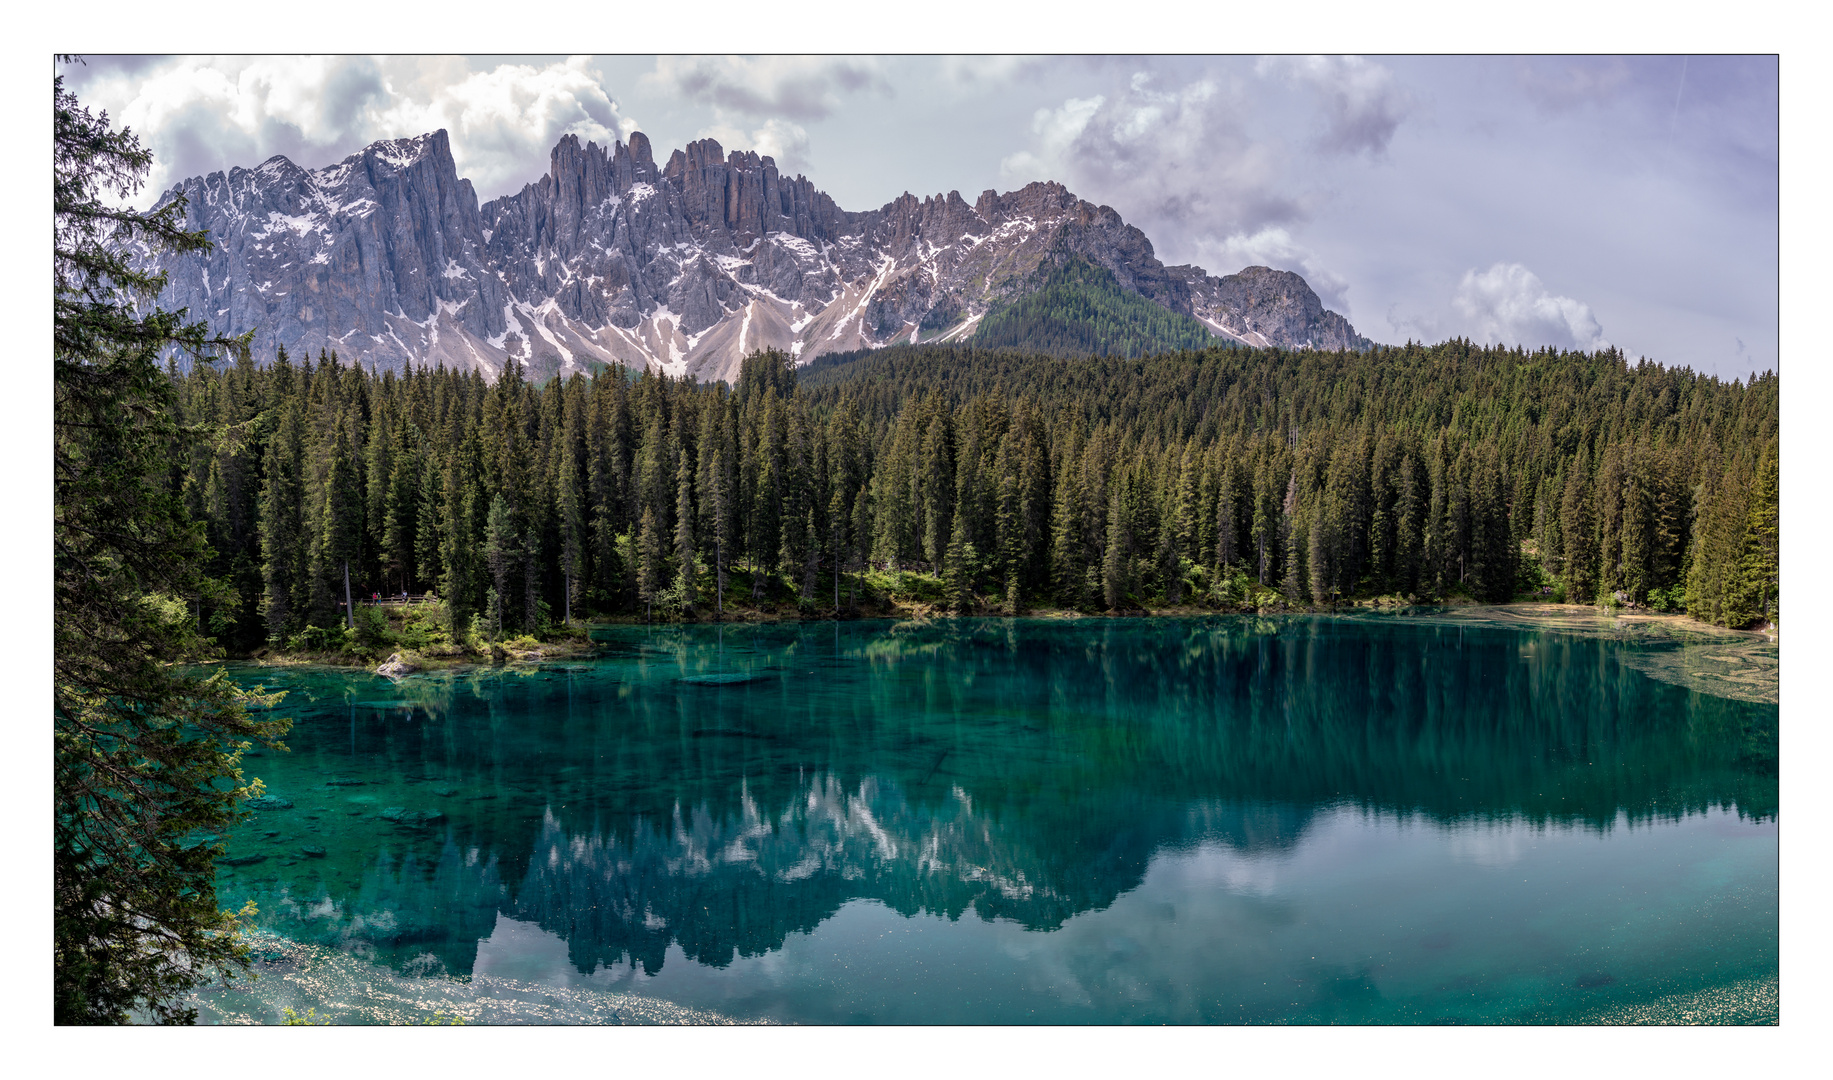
column 1578, row 618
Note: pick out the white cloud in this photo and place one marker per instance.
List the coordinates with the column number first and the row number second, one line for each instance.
column 797, row 87
column 1273, row 246
column 504, row 120
column 1176, row 161
column 1507, row 305
column 783, row 140
column 1179, row 163
column 757, row 102
column 1056, row 131
column 1363, row 104
column 202, row 114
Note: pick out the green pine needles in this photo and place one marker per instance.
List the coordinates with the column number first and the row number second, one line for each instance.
column 147, row 767
column 993, row 481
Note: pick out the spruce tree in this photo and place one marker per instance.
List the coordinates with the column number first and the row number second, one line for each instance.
column 686, row 556
column 1759, row 569
column 650, row 569
column 502, row 555
column 283, row 544
column 146, row 753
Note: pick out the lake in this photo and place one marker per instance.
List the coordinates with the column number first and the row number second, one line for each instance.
column 1408, row 818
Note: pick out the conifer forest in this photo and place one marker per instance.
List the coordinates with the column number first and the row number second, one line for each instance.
column 1004, row 481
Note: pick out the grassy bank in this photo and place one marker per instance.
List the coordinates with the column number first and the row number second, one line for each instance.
column 421, row 633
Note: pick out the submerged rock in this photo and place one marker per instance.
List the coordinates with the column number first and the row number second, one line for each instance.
column 394, row 667
column 414, row 819
column 268, row 802
column 312, row 851
column 722, row 678
column 242, row 860
column 344, row 781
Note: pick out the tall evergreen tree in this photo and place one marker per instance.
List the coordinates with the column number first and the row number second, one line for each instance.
column 145, row 752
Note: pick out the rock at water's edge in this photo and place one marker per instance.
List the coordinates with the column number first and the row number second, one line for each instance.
column 394, row 667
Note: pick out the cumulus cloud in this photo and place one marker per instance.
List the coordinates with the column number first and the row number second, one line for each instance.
column 503, row 119
column 783, row 140
column 1175, row 161
column 1507, row 305
column 1274, row 246
column 202, row 114
column 796, row 87
column 1362, row 102
column 1180, row 163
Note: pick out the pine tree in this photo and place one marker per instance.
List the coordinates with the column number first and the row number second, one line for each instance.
column 429, row 507
column 1117, row 560
column 283, row 544
column 1577, row 524
column 1227, row 553
column 650, row 569
column 502, row 555
column 1409, row 527
column 401, row 517
column 1068, row 558
column 1758, row 593
column 686, row 557
column 146, row 753
column 955, row 569
column 570, row 504
column 341, row 540
column 1294, row 534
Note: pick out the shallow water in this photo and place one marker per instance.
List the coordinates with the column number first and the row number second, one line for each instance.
column 1206, row 820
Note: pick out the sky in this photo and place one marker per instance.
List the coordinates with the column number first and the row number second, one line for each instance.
column 1568, row 201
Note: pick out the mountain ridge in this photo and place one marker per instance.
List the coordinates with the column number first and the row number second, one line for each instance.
column 388, row 258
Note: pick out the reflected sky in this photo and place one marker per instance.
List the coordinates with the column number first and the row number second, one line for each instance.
column 1205, row 820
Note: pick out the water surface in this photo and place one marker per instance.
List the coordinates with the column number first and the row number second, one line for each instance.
column 1206, row 820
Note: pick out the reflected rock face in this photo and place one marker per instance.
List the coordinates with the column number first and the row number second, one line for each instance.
column 1014, row 770
column 730, row 885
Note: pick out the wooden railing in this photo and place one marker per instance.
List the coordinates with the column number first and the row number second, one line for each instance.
column 397, row 600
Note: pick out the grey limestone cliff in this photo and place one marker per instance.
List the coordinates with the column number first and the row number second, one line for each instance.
column 611, row 258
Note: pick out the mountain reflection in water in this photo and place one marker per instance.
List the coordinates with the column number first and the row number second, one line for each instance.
column 719, row 789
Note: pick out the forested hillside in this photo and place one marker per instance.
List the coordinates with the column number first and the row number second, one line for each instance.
column 1223, row 477
column 1079, row 309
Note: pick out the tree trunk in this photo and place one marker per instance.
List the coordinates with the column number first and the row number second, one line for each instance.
column 349, row 608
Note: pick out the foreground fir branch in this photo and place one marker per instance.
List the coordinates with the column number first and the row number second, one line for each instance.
column 147, row 757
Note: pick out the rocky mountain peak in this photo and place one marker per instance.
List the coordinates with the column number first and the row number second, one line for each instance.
column 388, row 258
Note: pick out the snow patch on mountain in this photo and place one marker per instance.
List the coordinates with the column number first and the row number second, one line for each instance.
column 612, row 258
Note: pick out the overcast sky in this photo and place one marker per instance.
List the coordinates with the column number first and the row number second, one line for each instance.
column 1572, row 202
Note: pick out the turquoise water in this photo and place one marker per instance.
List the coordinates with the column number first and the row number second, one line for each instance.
column 1207, row 820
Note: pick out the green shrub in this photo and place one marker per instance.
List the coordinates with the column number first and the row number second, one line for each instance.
column 419, row 636
column 372, row 630
column 316, row 639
